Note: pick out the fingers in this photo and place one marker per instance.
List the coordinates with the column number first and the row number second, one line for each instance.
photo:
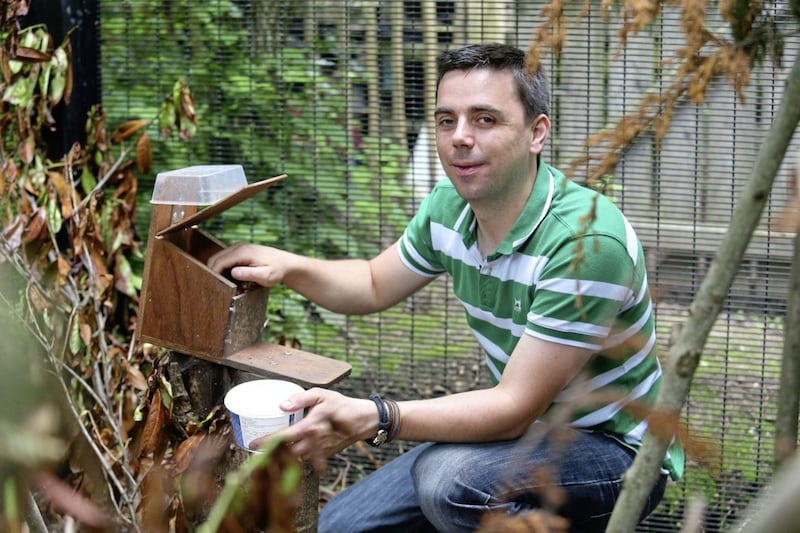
column 297, row 432
column 263, row 275
column 317, row 456
column 237, row 254
column 247, row 262
column 323, row 431
column 305, row 445
column 303, row 400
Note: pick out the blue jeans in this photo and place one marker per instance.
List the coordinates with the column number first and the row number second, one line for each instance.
column 448, row 487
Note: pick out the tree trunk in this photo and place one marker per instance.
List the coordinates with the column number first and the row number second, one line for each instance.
column 789, row 390
column 684, row 356
column 776, row 507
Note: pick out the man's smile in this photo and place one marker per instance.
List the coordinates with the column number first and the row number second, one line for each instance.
column 466, row 167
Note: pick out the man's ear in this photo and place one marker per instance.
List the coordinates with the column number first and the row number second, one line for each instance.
column 540, row 130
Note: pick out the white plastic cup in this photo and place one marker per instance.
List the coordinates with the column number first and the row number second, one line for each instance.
column 253, row 407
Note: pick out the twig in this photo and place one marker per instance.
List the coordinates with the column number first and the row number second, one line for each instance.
column 104, row 179
column 81, row 381
column 106, row 468
column 693, row 518
column 33, row 517
column 776, row 507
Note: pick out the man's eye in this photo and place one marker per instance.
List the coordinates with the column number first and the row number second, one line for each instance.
column 485, row 120
column 445, row 122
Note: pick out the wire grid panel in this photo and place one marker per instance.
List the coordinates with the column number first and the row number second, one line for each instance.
column 339, row 95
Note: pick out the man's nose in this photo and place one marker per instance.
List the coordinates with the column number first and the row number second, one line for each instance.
column 463, row 134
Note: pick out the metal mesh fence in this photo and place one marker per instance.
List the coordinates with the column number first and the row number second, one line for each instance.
column 338, row 95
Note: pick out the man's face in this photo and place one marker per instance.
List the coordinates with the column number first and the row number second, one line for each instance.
column 484, row 143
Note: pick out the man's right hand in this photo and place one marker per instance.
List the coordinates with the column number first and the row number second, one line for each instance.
column 252, row 262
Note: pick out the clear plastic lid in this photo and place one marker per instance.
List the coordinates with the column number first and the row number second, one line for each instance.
column 198, row 185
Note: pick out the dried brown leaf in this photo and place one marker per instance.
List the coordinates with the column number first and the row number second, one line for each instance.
column 185, row 453
column 70, row 80
column 152, row 430
column 27, row 149
column 17, row 9
column 124, row 171
column 37, row 298
column 134, row 376
column 10, row 173
column 73, row 155
column 12, row 233
column 4, row 66
column 36, row 226
column 186, row 105
column 85, row 331
column 99, row 259
column 158, row 490
column 63, row 270
column 144, row 155
column 68, row 502
column 128, row 129
column 667, row 426
column 30, row 55
column 65, row 192
column 198, row 465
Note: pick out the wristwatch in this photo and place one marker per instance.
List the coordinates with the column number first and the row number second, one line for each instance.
column 384, row 423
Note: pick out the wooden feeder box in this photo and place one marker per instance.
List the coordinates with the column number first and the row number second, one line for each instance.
column 188, row 308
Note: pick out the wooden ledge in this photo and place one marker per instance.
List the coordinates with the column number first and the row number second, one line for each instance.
column 271, row 360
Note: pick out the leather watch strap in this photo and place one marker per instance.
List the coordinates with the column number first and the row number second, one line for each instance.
column 384, row 423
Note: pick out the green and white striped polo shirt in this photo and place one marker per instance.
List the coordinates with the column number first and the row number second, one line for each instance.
column 570, row 271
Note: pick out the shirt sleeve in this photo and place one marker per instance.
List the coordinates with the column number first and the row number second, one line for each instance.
column 415, row 245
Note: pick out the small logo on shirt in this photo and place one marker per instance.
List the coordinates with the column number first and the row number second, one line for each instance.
column 517, row 305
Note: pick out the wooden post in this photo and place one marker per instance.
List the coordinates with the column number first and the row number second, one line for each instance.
column 214, row 325
column 307, row 513
column 198, row 387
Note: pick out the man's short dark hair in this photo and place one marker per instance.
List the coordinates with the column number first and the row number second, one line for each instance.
column 533, row 87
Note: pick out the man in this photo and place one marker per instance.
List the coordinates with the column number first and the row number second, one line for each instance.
column 558, row 300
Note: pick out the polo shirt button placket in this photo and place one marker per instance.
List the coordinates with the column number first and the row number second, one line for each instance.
column 486, row 288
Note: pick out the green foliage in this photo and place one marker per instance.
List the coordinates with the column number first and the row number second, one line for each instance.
column 66, row 251
column 273, row 107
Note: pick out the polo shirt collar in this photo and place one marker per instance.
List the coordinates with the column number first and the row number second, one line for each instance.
column 532, row 215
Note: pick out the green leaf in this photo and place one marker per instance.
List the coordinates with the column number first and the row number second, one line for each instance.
column 75, row 341
column 44, row 78
column 126, row 280
column 117, row 242
column 290, row 479
column 19, row 93
column 60, row 70
column 14, row 66
column 166, row 392
column 88, row 181
column 10, row 492
column 166, row 118
column 53, row 212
